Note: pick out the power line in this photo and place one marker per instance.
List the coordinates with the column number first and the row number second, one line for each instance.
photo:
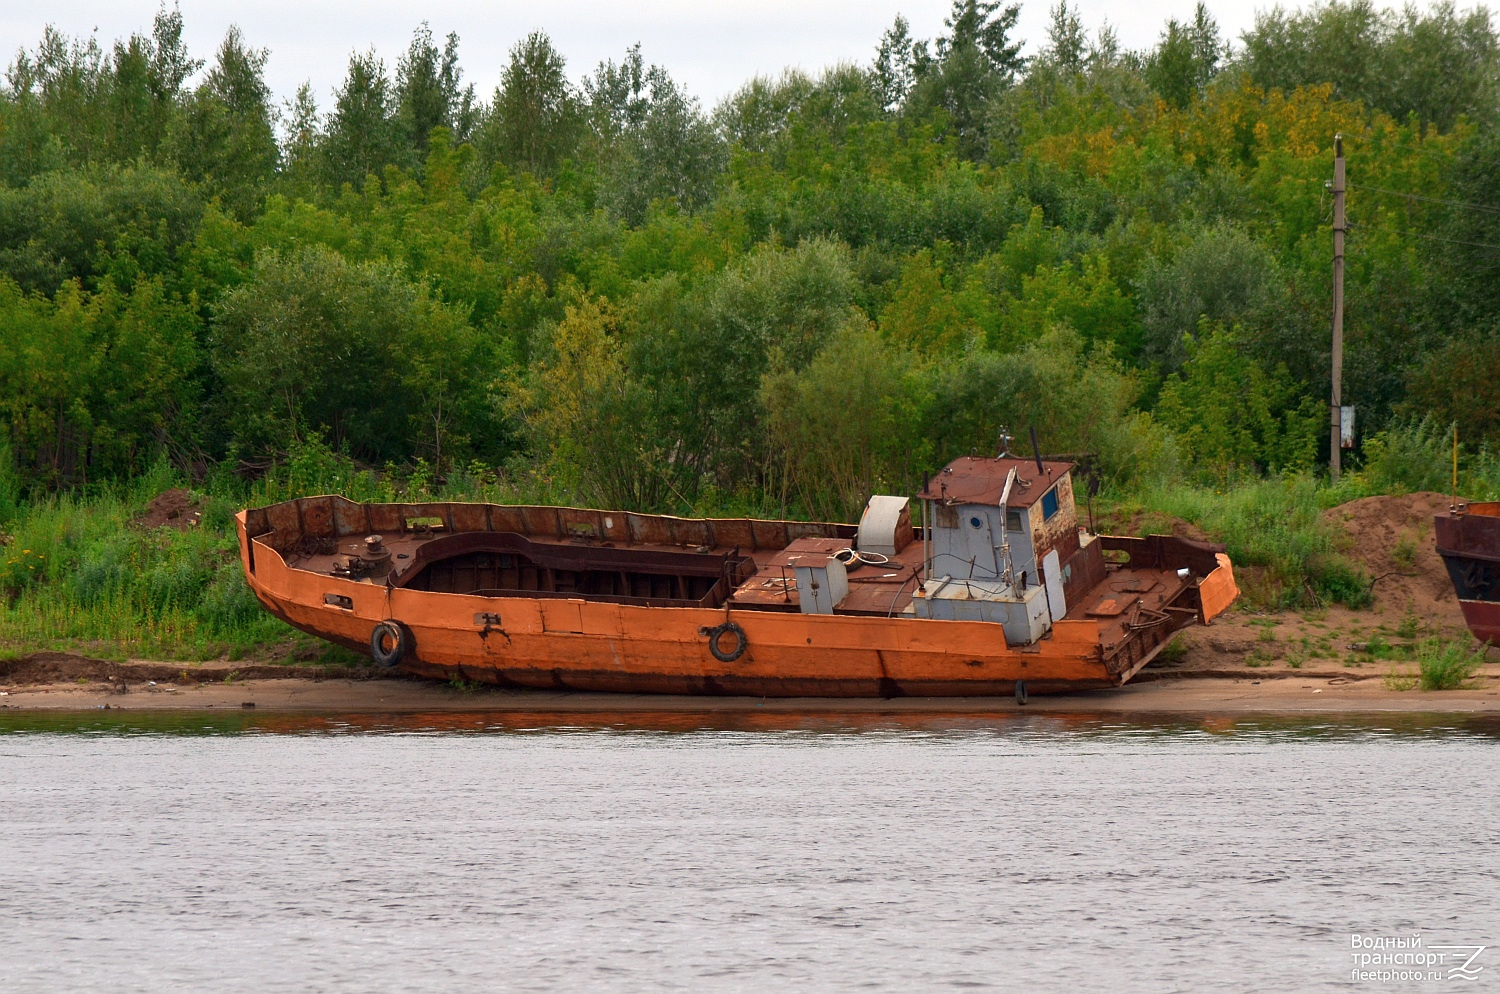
column 1428, row 200
column 1430, row 238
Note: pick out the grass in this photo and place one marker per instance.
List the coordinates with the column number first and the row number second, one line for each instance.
column 1380, row 649
column 1395, row 680
column 1286, row 554
column 77, row 574
column 1173, row 652
column 1446, row 665
column 1404, row 555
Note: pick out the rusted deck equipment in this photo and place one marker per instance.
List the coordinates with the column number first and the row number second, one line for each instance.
column 1468, row 539
column 999, row 592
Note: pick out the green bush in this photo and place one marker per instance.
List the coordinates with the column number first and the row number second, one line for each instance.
column 105, row 568
column 1335, row 578
column 1410, row 456
column 1446, row 665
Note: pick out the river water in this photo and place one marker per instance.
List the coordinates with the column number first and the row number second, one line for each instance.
column 681, row 852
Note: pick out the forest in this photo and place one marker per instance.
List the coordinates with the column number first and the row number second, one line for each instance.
column 582, row 285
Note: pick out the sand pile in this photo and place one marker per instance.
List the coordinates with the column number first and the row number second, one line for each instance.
column 1392, row 538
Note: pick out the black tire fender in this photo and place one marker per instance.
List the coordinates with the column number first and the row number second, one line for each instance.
column 716, row 633
column 390, row 643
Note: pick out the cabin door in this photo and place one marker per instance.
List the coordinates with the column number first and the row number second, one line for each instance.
column 976, row 525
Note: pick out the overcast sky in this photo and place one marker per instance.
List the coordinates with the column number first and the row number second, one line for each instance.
column 711, row 45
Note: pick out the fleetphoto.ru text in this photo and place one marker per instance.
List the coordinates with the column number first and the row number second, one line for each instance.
column 1410, row 958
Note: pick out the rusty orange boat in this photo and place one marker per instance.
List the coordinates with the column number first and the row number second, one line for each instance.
column 998, row 591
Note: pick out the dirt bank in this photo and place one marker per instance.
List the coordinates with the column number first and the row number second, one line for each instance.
column 61, row 682
column 1413, row 600
column 75, row 669
column 1392, row 538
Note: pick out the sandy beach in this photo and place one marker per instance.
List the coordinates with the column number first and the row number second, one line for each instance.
column 57, row 681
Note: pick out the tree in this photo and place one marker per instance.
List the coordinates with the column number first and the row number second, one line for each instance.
column 592, row 419
column 96, row 107
column 1067, row 46
column 94, row 385
column 96, row 224
column 975, row 61
column 362, row 137
column 1230, row 414
column 653, row 141
column 225, row 135
column 899, row 62
column 301, row 147
column 845, row 426
column 923, row 317
column 703, row 349
column 1459, row 384
column 143, row 87
column 1222, row 275
column 1467, row 268
column 1188, row 56
column 534, row 121
column 616, row 95
column 429, row 95
column 1437, row 65
column 1079, row 400
column 975, row 24
column 355, row 353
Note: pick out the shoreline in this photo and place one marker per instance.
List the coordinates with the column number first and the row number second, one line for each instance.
column 66, row 682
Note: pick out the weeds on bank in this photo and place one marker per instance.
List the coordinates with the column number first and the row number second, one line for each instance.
column 1173, row 652
column 91, row 577
column 1272, row 525
column 77, row 573
column 1447, row 665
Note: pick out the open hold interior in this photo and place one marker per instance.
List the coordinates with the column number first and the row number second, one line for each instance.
column 506, row 564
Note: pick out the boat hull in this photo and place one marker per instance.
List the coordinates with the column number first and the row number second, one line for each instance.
column 1469, row 544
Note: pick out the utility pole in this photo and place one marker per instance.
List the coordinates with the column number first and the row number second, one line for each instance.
column 1339, row 226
